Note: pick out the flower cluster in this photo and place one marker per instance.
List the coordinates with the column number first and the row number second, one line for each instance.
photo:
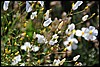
column 27, row 47
column 70, row 42
column 88, row 33
column 41, row 40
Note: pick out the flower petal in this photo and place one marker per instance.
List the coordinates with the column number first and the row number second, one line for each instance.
column 66, row 31
column 78, row 3
column 95, row 32
column 55, row 36
column 56, row 62
column 23, row 47
column 5, row 5
column 35, row 48
column 75, row 40
column 28, row 7
column 71, row 26
column 69, row 48
column 84, row 18
column 47, row 22
column 51, row 42
column 92, row 37
column 16, row 60
column 33, row 14
column 75, row 7
column 86, row 30
column 76, row 58
column 78, row 33
column 27, row 44
column 23, row 64
column 86, row 36
column 74, row 46
column 91, row 28
column 41, row 38
column 47, row 15
column 41, row 3
column 66, row 43
column 83, row 29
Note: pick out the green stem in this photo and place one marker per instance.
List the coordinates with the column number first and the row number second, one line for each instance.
column 79, row 12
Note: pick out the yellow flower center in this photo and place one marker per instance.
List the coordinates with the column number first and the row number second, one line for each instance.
column 69, row 34
column 70, row 43
column 74, row 31
column 82, row 33
column 90, row 32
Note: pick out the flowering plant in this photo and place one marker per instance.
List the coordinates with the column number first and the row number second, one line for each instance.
column 30, row 36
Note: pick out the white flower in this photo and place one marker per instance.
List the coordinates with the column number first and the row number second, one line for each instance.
column 56, row 62
column 41, row 38
column 35, row 48
column 47, row 22
column 41, row 3
column 70, row 43
column 16, row 60
column 23, row 64
column 81, row 32
column 55, row 36
column 47, row 15
column 26, row 46
column 84, row 18
column 62, row 61
column 32, row 1
column 89, row 33
column 78, row 64
column 54, row 39
column 28, row 7
column 78, row 33
column 69, row 48
column 59, row 32
column 76, row 5
column 34, row 35
column 34, row 14
column 70, row 28
column 76, row 58
column 51, row 42
column 5, row 5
